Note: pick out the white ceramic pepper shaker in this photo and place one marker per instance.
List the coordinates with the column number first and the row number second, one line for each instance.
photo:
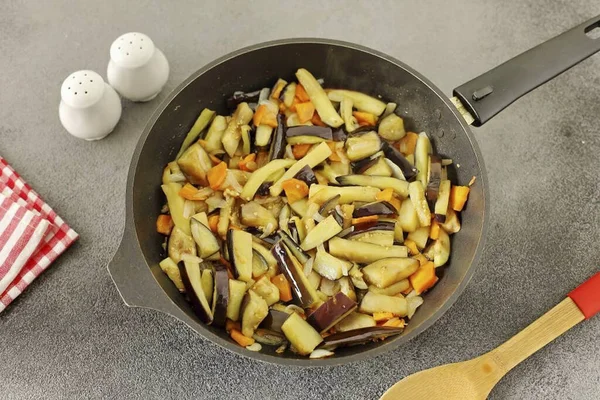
column 89, row 108
column 137, row 69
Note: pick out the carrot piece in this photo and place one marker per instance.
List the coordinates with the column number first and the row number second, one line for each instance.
column 243, row 164
column 215, row 160
column 434, row 231
column 300, row 150
column 316, row 120
column 334, row 155
column 407, row 144
column 282, row 107
column 231, row 325
column 277, row 90
column 295, row 189
column 365, row 118
column 382, row 316
column 227, row 265
column 259, row 114
column 241, row 339
column 407, row 291
column 385, row 195
column 389, row 196
column 301, row 94
column 213, row 222
column 424, row 278
column 164, row 224
column 395, row 322
column 362, row 220
column 421, row 258
column 269, row 119
column 295, row 102
column 285, row 290
column 458, row 197
column 202, row 143
column 216, row 175
column 188, row 191
column 412, row 247
column 305, row 111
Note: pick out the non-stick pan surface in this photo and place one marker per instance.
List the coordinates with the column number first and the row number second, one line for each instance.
column 423, row 106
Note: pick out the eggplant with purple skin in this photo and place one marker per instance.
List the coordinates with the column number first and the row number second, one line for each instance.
column 274, row 320
column 306, row 175
column 220, row 295
column 376, row 208
column 338, row 135
column 331, row 312
column 360, row 166
column 304, row 294
column 323, row 132
column 278, row 143
column 372, row 227
column 433, row 184
column 239, row 97
column 337, row 216
column 294, row 247
column 362, row 146
column 408, row 170
column 359, row 336
column 192, row 281
column 239, row 246
column 301, row 334
column 329, row 205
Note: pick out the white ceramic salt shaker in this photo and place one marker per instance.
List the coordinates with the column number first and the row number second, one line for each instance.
column 89, row 108
column 137, row 69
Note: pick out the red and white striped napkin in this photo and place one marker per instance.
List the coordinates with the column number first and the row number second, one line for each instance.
column 32, row 236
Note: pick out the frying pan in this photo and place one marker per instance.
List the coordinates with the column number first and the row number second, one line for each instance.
column 423, row 106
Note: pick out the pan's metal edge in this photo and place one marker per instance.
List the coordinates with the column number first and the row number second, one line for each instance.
column 129, row 234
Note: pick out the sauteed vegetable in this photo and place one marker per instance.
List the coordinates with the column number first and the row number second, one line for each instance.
column 307, row 219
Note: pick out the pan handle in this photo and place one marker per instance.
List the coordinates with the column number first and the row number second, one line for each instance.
column 135, row 284
column 490, row 93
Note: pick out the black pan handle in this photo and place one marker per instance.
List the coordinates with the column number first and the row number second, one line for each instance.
column 137, row 287
column 490, row 93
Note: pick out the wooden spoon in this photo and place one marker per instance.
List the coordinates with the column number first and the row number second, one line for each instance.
column 475, row 379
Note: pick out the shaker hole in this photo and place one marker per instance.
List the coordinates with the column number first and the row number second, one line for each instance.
column 127, row 53
column 86, row 92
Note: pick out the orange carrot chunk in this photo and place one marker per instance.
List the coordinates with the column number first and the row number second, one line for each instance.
column 164, row 224
column 316, row 120
column 213, row 222
column 188, row 191
column 413, row 250
column 295, row 189
column 300, row 150
column 231, row 325
column 259, row 114
column 334, row 155
column 285, row 290
column 241, row 339
column 277, row 90
column 301, row 94
column 407, row 144
column 434, row 231
column 243, row 164
column 458, row 197
column 216, row 175
column 424, row 278
column 365, row 118
column 305, row 111
column 382, row 316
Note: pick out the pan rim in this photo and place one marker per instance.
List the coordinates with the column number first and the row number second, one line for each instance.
column 131, row 233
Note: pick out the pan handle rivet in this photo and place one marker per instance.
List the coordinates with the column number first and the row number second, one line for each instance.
column 481, row 93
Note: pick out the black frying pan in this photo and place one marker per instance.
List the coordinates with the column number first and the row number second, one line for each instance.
column 424, row 107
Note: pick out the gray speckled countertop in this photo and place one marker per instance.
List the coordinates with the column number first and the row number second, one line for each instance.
column 70, row 335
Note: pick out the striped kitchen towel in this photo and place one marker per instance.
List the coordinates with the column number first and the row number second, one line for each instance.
column 32, row 235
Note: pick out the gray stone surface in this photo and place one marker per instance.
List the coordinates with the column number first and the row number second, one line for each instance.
column 70, row 336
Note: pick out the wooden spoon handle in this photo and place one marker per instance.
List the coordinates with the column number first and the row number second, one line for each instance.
column 582, row 303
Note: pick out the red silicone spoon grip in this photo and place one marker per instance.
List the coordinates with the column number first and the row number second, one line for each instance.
column 587, row 296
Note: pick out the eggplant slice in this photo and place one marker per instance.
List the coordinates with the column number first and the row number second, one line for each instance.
column 239, row 246
column 331, row 312
column 192, row 281
column 359, row 336
column 220, row 295
column 376, row 208
column 408, row 170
